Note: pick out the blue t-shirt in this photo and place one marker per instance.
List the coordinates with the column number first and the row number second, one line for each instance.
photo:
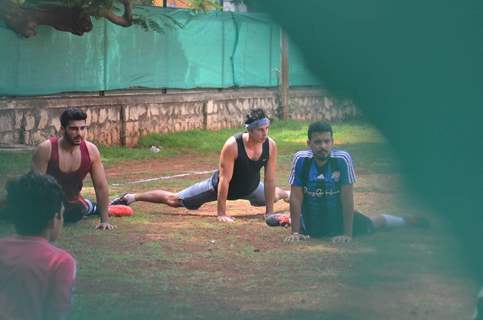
column 321, row 208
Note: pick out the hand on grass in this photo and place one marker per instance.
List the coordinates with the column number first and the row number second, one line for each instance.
column 296, row 237
column 225, row 218
column 341, row 239
column 105, row 226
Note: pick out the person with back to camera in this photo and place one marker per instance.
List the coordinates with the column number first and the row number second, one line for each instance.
column 36, row 277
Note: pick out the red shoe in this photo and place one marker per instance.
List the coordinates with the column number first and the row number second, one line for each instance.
column 278, row 220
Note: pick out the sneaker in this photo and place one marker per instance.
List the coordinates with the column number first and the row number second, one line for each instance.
column 417, row 221
column 120, row 200
column 278, row 219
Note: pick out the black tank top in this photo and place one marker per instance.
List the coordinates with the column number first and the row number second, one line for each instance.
column 246, row 172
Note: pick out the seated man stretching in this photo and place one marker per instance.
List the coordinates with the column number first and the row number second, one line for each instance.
column 322, row 201
column 238, row 177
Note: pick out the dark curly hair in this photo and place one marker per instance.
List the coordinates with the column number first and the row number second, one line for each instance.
column 32, row 202
column 254, row 115
column 71, row 114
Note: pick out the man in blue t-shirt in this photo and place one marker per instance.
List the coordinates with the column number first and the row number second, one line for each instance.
column 322, row 200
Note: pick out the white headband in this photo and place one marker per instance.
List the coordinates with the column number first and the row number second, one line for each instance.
column 257, row 123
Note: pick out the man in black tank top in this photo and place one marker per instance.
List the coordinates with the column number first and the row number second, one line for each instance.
column 238, row 176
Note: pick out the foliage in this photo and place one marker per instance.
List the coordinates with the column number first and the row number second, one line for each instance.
column 162, row 23
column 91, row 5
column 204, row 5
column 97, row 8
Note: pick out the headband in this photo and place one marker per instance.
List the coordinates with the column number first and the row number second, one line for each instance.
column 257, row 123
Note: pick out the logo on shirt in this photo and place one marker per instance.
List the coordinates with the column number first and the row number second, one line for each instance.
column 336, row 176
column 318, row 193
column 320, row 177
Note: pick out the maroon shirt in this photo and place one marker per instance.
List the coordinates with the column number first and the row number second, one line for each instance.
column 36, row 279
column 70, row 182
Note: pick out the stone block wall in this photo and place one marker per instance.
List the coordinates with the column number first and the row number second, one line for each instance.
column 229, row 110
column 313, row 105
column 20, row 124
column 121, row 118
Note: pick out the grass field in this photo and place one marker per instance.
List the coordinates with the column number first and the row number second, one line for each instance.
column 166, row 263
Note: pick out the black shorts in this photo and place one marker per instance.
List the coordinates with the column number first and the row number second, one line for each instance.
column 362, row 224
column 77, row 209
column 196, row 195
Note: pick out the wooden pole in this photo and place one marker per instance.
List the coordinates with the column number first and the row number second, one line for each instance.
column 122, row 127
column 284, row 74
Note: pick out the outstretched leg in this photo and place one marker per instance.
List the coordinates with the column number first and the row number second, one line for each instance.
column 390, row 221
column 257, row 197
column 281, row 194
column 155, row 196
column 191, row 198
column 364, row 224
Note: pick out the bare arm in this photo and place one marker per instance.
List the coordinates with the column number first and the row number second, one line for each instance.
column 270, row 172
column 227, row 162
column 100, row 186
column 347, row 200
column 41, row 156
column 296, row 200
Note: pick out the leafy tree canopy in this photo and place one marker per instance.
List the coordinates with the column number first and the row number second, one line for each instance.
column 74, row 16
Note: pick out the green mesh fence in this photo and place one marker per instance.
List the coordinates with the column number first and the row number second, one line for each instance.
column 217, row 50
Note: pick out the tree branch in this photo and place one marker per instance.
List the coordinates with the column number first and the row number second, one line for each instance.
column 25, row 20
column 125, row 20
column 18, row 19
column 75, row 20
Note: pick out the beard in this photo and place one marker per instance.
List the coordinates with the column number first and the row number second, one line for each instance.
column 76, row 141
column 321, row 156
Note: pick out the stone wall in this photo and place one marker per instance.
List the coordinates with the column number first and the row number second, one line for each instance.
column 120, row 118
column 317, row 105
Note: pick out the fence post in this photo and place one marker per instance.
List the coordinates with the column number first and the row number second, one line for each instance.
column 205, row 115
column 122, row 127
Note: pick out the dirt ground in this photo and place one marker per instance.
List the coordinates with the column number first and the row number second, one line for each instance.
column 194, row 169
column 173, row 263
column 246, row 271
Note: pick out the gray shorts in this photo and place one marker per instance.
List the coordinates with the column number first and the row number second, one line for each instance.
column 198, row 194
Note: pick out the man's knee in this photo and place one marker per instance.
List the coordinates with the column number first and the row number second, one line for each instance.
column 173, row 200
column 192, row 203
